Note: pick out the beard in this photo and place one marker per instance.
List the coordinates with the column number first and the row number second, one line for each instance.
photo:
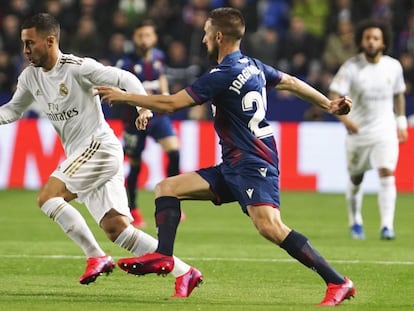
column 143, row 49
column 40, row 60
column 369, row 53
column 213, row 54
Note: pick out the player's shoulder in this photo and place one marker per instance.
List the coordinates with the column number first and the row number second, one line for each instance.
column 234, row 65
column 353, row 65
column 70, row 62
column 28, row 73
column 391, row 60
column 125, row 60
column 157, row 53
column 71, row 59
column 355, row 61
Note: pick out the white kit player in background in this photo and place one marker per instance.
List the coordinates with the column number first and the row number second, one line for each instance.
column 92, row 173
column 376, row 125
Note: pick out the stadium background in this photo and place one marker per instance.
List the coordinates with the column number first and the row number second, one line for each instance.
column 308, row 38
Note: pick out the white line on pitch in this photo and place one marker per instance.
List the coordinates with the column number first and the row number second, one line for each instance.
column 373, row 262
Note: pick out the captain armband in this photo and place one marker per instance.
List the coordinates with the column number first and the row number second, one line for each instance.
column 402, row 123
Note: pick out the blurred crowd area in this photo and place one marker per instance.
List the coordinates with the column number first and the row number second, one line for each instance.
column 306, row 38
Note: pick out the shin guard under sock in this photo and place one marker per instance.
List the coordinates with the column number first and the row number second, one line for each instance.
column 299, row 247
column 167, row 218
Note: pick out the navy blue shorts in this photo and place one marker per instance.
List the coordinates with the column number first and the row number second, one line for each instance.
column 158, row 127
column 256, row 184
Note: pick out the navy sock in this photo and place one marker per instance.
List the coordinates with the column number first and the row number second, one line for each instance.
column 299, row 247
column 132, row 185
column 167, row 218
column 173, row 163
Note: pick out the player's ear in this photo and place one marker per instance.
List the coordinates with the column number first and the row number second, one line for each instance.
column 50, row 40
column 219, row 36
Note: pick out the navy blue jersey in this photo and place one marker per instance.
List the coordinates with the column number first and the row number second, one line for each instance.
column 148, row 72
column 237, row 88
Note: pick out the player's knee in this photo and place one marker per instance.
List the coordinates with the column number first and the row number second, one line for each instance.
column 357, row 179
column 164, row 188
column 273, row 232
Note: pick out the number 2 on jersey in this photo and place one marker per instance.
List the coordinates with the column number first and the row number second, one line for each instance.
column 250, row 100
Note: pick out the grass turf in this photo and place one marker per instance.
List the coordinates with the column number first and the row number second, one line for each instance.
column 40, row 266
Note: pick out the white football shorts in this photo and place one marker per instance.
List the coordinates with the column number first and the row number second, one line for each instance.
column 95, row 173
column 361, row 158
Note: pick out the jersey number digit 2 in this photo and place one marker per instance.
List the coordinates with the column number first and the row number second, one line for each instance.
column 248, row 102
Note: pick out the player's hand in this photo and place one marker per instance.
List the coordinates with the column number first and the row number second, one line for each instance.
column 402, row 135
column 112, row 95
column 341, row 106
column 143, row 118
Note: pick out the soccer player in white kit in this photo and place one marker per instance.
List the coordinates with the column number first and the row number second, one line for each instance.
column 376, row 124
column 63, row 86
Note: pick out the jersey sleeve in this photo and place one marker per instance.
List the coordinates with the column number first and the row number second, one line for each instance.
column 208, row 86
column 21, row 100
column 94, row 73
column 122, row 63
column 399, row 86
column 272, row 75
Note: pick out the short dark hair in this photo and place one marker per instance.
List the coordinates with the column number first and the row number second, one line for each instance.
column 145, row 23
column 372, row 23
column 229, row 21
column 44, row 23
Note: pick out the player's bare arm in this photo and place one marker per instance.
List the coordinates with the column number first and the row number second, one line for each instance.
column 158, row 103
column 338, row 106
column 402, row 124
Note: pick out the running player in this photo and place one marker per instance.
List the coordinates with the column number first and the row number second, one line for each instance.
column 62, row 85
column 249, row 170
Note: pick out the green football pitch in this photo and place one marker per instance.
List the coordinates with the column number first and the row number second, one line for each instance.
column 40, row 266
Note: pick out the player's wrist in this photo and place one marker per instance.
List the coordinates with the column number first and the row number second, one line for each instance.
column 402, row 122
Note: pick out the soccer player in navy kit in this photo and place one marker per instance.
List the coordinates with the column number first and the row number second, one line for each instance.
column 249, row 170
column 147, row 63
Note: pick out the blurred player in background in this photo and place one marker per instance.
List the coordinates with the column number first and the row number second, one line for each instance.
column 147, row 63
column 249, row 170
column 62, row 85
column 376, row 124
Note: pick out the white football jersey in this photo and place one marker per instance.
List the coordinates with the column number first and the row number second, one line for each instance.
column 372, row 88
column 65, row 96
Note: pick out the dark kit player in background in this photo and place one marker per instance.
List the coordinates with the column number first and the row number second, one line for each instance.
column 147, row 63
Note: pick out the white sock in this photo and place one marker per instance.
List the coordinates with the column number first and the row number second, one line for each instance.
column 387, row 197
column 73, row 224
column 139, row 243
column 354, row 196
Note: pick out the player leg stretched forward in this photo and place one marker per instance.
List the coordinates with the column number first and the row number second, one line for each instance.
column 210, row 184
column 249, row 172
